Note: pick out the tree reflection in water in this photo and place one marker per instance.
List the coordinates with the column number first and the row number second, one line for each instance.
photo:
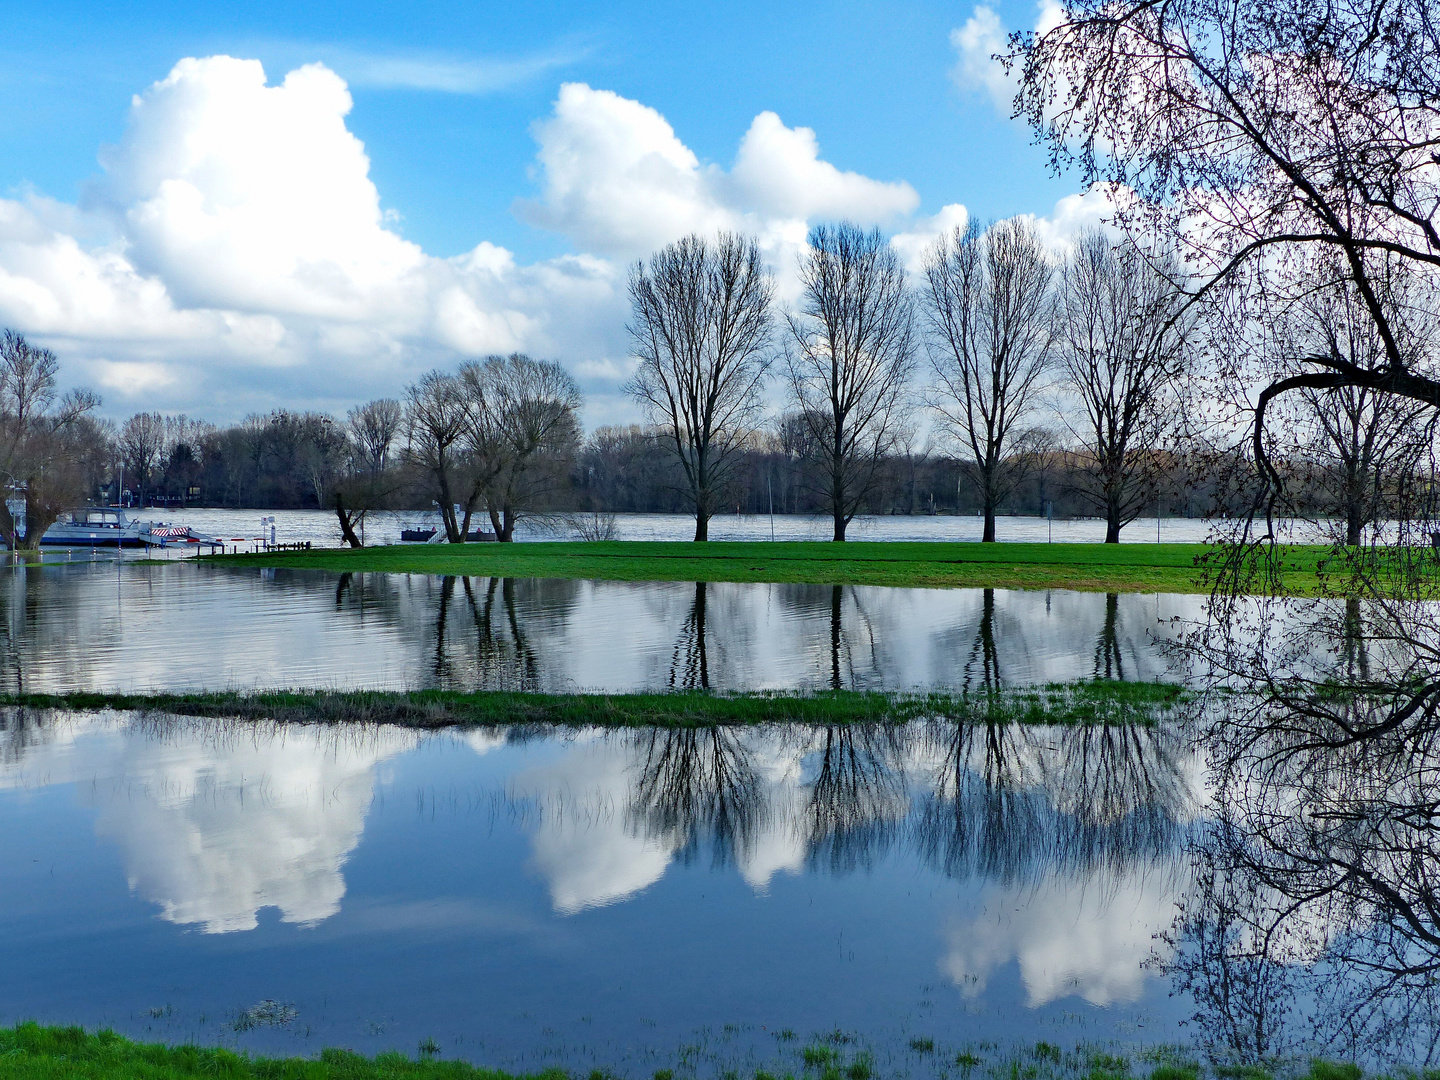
column 700, row 782
column 496, row 650
column 1109, row 657
column 689, row 659
column 856, row 798
column 1316, row 918
column 1002, row 802
column 1314, row 924
column 1011, row 803
column 983, row 652
column 21, row 730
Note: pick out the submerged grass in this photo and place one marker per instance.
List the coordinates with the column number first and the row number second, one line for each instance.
column 32, row 1052
column 1089, row 702
column 1173, row 568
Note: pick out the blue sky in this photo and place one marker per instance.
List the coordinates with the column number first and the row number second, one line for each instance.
column 447, row 99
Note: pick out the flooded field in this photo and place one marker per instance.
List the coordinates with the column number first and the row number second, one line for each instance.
column 105, row 626
column 533, row 898
column 1251, row 878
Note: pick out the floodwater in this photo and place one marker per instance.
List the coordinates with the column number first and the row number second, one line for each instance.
column 627, row 900
column 710, row 901
column 109, row 626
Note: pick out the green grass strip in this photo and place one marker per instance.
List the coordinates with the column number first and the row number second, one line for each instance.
column 31, row 1052
column 1090, row 702
column 1087, row 567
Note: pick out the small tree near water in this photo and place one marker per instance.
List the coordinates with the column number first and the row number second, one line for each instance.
column 45, row 440
column 701, row 329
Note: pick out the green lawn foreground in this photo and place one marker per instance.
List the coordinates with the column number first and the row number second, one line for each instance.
column 1171, row 568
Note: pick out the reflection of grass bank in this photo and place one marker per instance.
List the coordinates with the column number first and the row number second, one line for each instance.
column 1090, row 567
column 1088, row 702
column 30, row 1052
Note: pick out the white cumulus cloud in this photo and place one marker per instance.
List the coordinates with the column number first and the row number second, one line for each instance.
column 246, row 196
column 617, row 180
column 235, row 255
column 976, row 44
column 240, row 231
column 981, row 38
column 913, row 243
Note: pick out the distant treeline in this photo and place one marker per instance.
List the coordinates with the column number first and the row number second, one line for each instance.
column 286, row 460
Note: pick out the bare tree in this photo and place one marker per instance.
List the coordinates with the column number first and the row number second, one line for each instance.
column 989, row 299
column 1360, row 444
column 45, row 445
column 374, row 427
column 1254, row 135
column 357, row 476
column 849, row 360
column 345, row 464
column 1121, row 345
column 525, row 432
column 142, row 448
column 436, row 420
column 183, row 454
column 701, row 330
column 28, row 376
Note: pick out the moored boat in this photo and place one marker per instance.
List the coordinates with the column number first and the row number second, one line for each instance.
column 95, row 526
column 110, row 526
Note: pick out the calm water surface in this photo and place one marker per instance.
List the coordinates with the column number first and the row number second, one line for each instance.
column 528, row 898
column 111, row 626
column 641, row 900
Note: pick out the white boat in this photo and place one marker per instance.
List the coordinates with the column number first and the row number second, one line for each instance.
column 110, row 526
column 94, row 527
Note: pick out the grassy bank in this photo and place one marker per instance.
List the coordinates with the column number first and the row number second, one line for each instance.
column 1090, row 567
column 1099, row 701
column 30, row 1052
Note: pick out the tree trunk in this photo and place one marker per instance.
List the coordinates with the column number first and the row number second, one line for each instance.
column 840, row 524
column 36, row 522
column 702, row 526
column 1112, row 528
column 1353, row 498
column 347, row 526
column 447, row 503
column 989, row 497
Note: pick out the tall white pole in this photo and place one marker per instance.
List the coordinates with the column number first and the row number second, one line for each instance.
column 770, row 487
